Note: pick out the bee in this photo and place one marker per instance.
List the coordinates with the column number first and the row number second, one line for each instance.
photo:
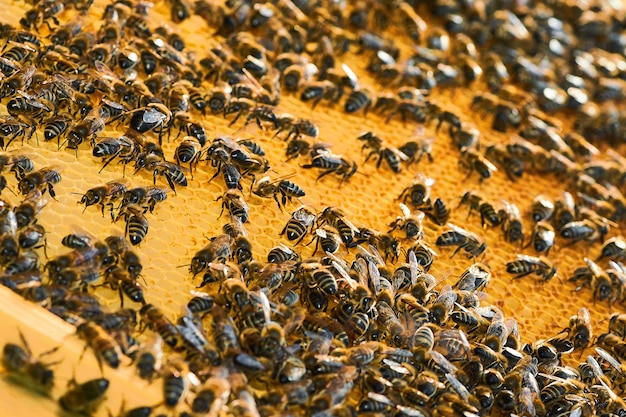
column 103, row 345
column 385, row 243
column 85, row 130
column 542, row 237
column 19, row 362
column 542, row 209
column 316, row 91
column 287, row 189
column 173, row 173
column 154, row 319
column 526, row 265
column 359, row 99
column 189, row 150
column 333, row 164
column 43, row 179
column 410, row 223
column 218, row 249
column 471, row 161
column 390, row 154
column 579, row 330
column 136, row 224
column 473, row 245
column 411, row 22
column 124, row 147
column 327, row 238
column 20, row 80
column 104, row 195
column 564, row 210
column 26, row 212
column 301, row 222
column 56, row 127
column 281, row 254
column 236, row 205
column 475, row 278
column 85, row 397
column 149, row 357
column 32, row 236
column 576, row 231
column 150, row 118
column 614, row 249
column 146, row 197
column 512, row 165
column 438, row 212
column 512, row 225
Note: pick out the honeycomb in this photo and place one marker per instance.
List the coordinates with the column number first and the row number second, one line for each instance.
column 179, row 226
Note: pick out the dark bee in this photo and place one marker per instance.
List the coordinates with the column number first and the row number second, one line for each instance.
column 146, row 197
column 359, row 99
column 55, row 127
column 218, row 249
column 614, row 249
column 418, row 192
column 333, row 164
column 173, row 173
column 19, row 362
column 123, row 147
column 526, row 265
column 32, row 237
column 104, row 195
column 327, row 238
column 411, row 22
column 438, row 212
column 317, row 91
column 564, row 211
column 136, row 224
column 43, row 179
column 410, row 223
column 189, row 150
column 301, row 222
column 542, row 209
column 471, row 161
column 462, row 239
column 152, row 117
column 154, row 319
column 542, row 237
column 85, row 397
column 576, row 231
column 391, row 155
column 512, row 166
column 579, row 330
column 416, row 149
column 282, row 253
column 13, row 127
column 85, row 130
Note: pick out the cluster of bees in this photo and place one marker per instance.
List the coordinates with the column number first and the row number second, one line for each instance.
column 363, row 327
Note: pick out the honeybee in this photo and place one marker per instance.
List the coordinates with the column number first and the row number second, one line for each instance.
column 136, row 224
column 333, row 164
column 542, row 237
column 105, row 348
column 301, row 222
column 526, row 265
column 287, row 189
column 85, row 397
column 614, row 249
column 391, row 155
column 327, row 238
column 146, row 197
column 410, row 223
column 541, row 209
column 155, row 319
column 236, row 205
column 579, row 330
column 475, row 278
column 512, row 225
column 471, row 161
column 26, row 212
column 104, row 195
column 585, row 229
column 359, row 99
column 43, row 179
column 19, row 362
column 218, row 249
column 173, row 173
column 462, row 239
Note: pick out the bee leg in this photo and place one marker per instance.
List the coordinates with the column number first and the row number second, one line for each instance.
column 121, row 296
column 323, row 174
column 51, row 190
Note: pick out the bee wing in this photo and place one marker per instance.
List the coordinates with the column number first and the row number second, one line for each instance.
column 546, row 234
column 530, row 259
column 597, row 371
column 321, row 232
column 409, row 411
column 458, row 230
column 609, row 358
column 265, row 306
column 374, row 276
column 458, row 387
column 583, row 315
column 413, row 267
column 354, row 80
column 405, row 210
column 380, row 398
column 593, row 267
column 443, row 362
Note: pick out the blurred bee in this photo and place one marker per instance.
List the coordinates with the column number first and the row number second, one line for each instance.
column 564, row 210
column 581, row 147
column 84, row 398
column 542, row 237
column 296, row 127
column 438, row 212
column 218, row 249
column 418, row 192
column 136, row 224
column 416, row 149
column 301, row 222
column 316, row 91
column 105, row 348
column 154, row 319
column 475, row 278
column 526, row 265
column 236, row 205
column 541, row 209
column 359, row 99
column 287, row 189
column 585, row 230
column 411, row 22
column 104, row 195
column 470, row 160
column 512, row 225
column 43, row 179
column 473, row 245
column 333, row 164
column 19, row 362
column 410, row 223
column 614, row 249
column 513, row 166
